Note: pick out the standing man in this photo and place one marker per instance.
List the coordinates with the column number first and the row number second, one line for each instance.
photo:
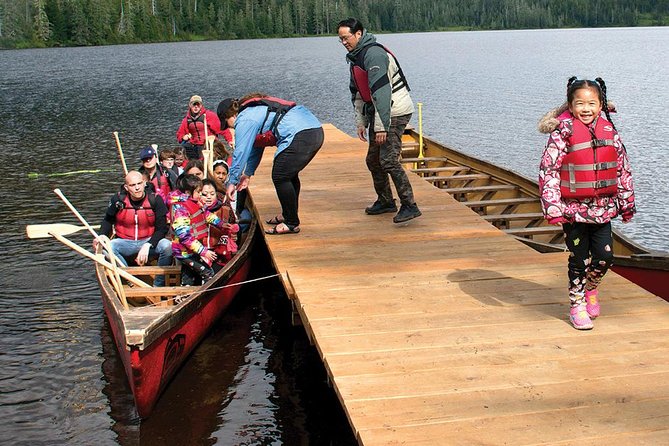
column 380, row 95
column 139, row 220
column 191, row 133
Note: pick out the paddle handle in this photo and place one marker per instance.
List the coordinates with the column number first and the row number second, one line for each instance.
column 120, row 152
column 129, row 277
column 75, row 212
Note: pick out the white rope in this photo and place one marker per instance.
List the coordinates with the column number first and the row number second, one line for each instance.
column 180, row 297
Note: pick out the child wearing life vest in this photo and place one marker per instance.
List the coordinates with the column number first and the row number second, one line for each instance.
column 585, row 181
column 224, row 240
column 190, row 223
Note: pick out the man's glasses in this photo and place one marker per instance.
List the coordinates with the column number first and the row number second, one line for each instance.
column 343, row 39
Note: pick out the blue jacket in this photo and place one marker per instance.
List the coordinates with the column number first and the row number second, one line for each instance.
column 246, row 158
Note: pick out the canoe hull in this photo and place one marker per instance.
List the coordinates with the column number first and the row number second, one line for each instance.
column 150, row 369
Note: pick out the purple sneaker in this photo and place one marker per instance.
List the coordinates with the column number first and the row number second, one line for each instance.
column 579, row 317
column 592, row 303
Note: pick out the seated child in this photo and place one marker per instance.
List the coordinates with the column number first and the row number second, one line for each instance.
column 179, row 160
column 190, row 225
column 222, row 241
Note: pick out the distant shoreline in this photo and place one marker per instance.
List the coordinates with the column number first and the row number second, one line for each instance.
column 6, row 45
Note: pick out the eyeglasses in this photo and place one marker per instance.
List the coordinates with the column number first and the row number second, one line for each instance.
column 144, row 160
column 343, row 39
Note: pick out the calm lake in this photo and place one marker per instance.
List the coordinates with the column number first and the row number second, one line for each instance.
column 255, row 380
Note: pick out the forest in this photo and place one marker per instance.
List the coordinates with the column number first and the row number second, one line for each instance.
column 48, row 23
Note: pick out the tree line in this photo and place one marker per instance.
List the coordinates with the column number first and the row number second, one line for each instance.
column 30, row 23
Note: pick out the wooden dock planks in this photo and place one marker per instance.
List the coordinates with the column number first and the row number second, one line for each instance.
column 446, row 331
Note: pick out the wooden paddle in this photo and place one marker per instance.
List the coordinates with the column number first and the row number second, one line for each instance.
column 99, row 259
column 43, row 231
column 75, row 212
column 120, row 152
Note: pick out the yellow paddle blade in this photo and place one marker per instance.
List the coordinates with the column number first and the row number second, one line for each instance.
column 43, row 231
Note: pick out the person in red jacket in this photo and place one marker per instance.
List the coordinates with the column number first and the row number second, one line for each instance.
column 191, row 133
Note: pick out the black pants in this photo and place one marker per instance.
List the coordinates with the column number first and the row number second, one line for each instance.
column 192, row 151
column 287, row 166
column 194, row 271
column 591, row 247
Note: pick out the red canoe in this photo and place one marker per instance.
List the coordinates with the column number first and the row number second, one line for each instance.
column 153, row 335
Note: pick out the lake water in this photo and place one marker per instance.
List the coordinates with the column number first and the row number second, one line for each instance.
column 254, row 380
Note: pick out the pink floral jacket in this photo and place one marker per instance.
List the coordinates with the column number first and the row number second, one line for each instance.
column 588, row 210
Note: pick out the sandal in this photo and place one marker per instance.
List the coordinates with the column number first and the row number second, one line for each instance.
column 281, row 229
column 276, row 220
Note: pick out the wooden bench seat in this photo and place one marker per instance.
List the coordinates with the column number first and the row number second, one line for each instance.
column 152, row 270
column 474, row 189
column 440, row 169
column 456, row 177
column 537, row 230
column 512, row 217
column 424, row 159
column 501, row 202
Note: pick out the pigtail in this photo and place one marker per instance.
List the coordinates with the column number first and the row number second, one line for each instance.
column 571, row 81
column 605, row 101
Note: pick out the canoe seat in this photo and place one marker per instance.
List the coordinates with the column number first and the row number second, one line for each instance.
column 440, row 169
column 172, row 273
column 158, row 296
column 512, row 217
column 462, row 177
column 474, row 189
column 538, row 230
column 501, row 202
column 424, row 159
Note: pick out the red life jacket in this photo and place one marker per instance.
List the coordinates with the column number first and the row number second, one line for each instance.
column 361, row 78
column 198, row 221
column 196, row 127
column 161, row 182
column 135, row 224
column 221, row 240
column 274, row 105
column 590, row 168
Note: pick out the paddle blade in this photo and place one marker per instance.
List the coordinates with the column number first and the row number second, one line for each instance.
column 43, row 231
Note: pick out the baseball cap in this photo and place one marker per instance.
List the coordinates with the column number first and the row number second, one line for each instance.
column 194, row 99
column 147, row 152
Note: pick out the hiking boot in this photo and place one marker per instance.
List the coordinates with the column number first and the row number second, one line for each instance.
column 579, row 317
column 406, row 213
column 592, row 303
column 380, row 207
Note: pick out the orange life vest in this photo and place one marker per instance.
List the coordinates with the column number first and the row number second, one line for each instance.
column 590, row 168
column 135, row 224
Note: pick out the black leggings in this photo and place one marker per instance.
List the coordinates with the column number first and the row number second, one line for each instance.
column 287, row 166
column 591, row 247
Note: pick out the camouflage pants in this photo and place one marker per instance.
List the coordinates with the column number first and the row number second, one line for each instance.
column 591, row 256
column 383, row 161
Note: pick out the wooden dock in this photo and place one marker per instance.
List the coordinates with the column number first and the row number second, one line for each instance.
column 445, row 331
